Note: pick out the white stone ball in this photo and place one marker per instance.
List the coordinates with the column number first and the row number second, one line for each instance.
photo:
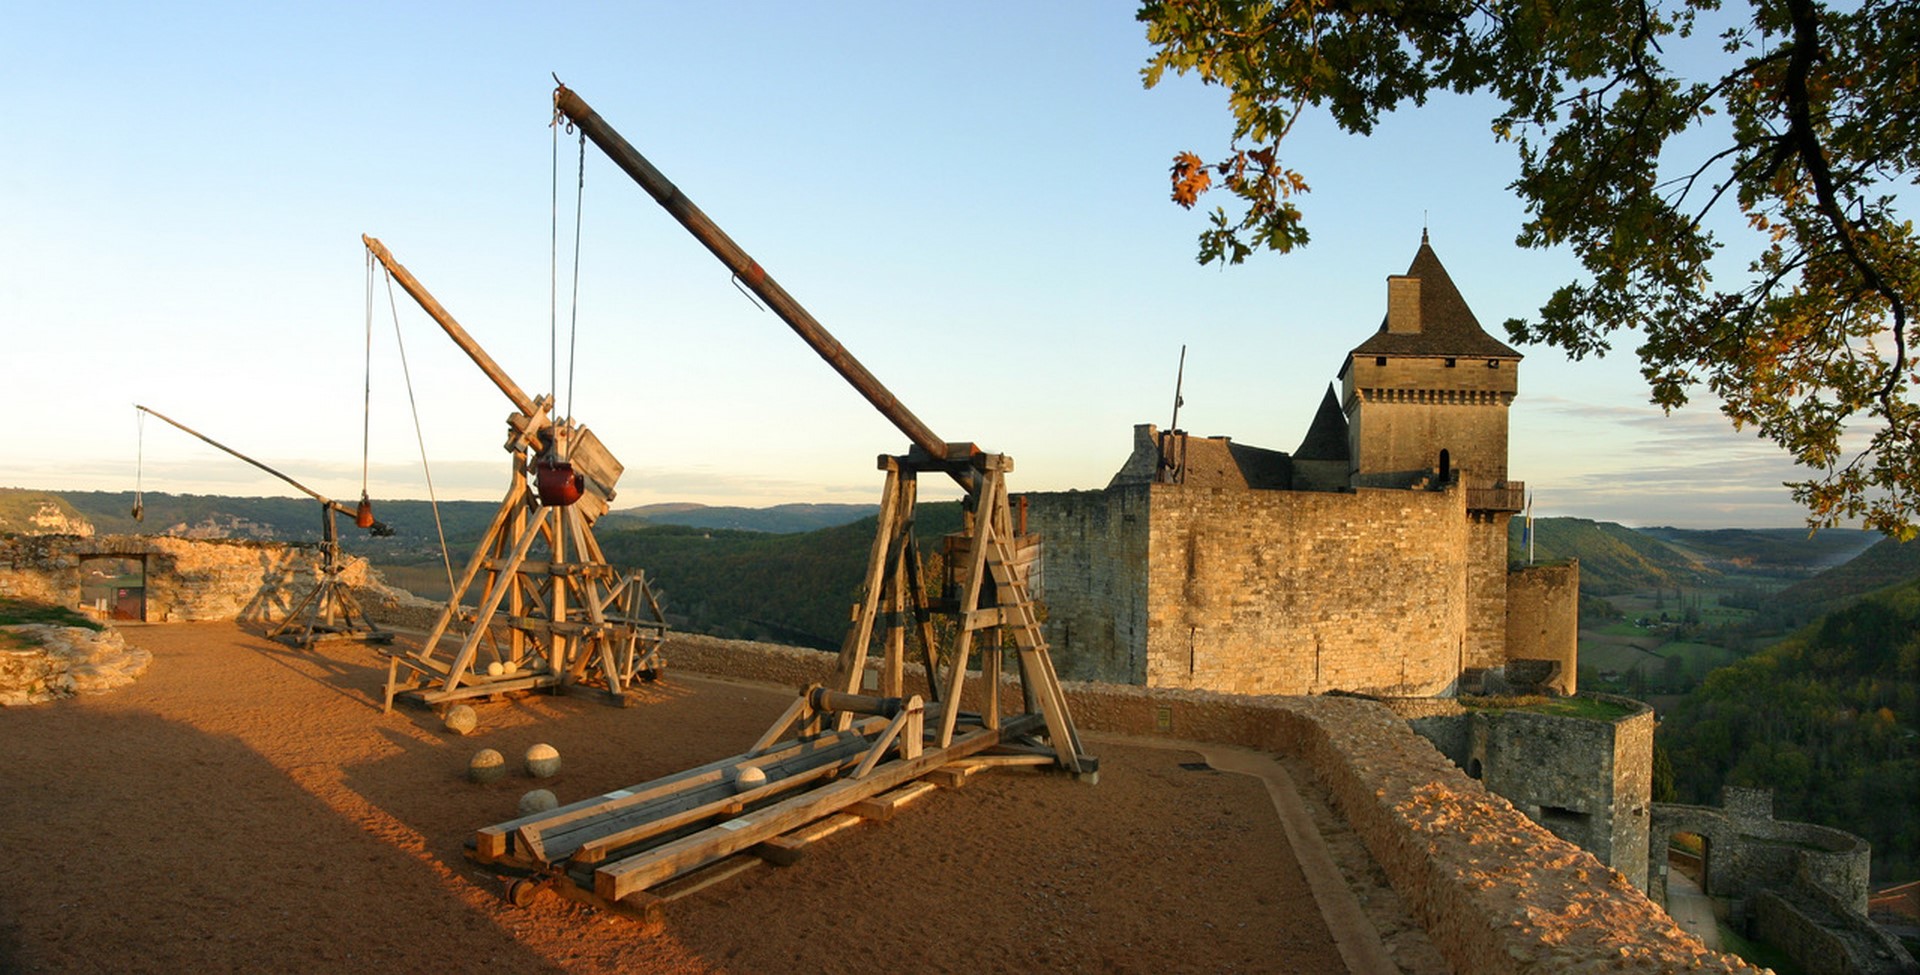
column 543, row 760
column 496, row 668
column 461, row 719
column 512, row 667
column 487, row 766
column 749, row 777
column 538, row 801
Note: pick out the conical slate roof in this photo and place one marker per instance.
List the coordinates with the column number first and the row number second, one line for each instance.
column 1327, row 438
column 1447, row 325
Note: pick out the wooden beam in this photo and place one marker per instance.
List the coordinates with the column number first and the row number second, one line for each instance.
column 655, row 866
column 881, row 808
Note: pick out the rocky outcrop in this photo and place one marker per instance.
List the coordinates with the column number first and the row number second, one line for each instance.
column 36, row 513
column 61, row 661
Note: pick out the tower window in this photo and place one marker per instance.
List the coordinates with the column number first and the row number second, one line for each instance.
column 1379, row 360
column 1452, row 362
column 1493, row 363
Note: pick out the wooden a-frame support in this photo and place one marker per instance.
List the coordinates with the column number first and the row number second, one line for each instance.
column 547, row 606
column 837, row 755
column 986, row 596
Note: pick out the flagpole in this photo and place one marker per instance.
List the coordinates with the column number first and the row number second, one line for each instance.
column 1529, row 528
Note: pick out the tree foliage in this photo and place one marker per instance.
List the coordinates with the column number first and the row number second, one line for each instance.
column 1798, row 130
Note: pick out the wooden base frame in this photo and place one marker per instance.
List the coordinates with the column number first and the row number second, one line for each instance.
column 328, row 611
column 836, row 756
column 549, row 609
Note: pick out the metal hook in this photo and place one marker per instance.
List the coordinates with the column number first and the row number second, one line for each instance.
column 735, row 280
column 558, row 115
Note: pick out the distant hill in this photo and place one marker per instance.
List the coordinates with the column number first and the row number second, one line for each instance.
column 1775, row 551
column 775, row 581
column 778, row 519
column 1613, row 558
column 1888, row 563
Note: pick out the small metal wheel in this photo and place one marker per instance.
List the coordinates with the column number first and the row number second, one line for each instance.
column 520, row 893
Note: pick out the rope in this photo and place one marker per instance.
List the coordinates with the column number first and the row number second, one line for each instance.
column 366, row 404
column 139, row 461
column 553, row 262
column 432, row 498
column 573, row 327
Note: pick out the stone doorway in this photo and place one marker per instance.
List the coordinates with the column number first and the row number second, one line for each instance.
column 1689, row 857
column 114, row 586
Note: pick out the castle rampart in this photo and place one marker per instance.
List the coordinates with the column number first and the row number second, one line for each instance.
column 1800, row 887
column 1588, row 781
column 1543, row 620
column 1256, row 592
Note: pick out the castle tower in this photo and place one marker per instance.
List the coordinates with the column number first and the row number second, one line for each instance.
column 1426, row 401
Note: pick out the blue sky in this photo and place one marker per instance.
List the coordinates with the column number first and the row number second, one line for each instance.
column 971, row 197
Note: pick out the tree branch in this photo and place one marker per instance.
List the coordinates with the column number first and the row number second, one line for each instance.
column 1805, row 140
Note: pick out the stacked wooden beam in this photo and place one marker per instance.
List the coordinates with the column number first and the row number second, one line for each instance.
column 635, row 848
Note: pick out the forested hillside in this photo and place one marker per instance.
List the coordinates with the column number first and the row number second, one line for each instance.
column 794, row 588
column 1885, row 564
column 286, row 519
column 1826, row 719
column 1613, row 558
column 780, row 518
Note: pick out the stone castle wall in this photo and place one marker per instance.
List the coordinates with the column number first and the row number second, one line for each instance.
column 1632, row 808
column 1589, row 782
column 1494, row 892
column 1094, row 581
column 1543, row 618
column 1257, row 592
column 187, row 580
column 1486, row 560
column 1748, row 851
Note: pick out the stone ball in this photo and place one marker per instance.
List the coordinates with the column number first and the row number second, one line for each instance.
column 543, row 760
column 487, row 766
column 538, row 801
column 461, row 719
column 512, row 667
column 496, row 668
column 749, row 777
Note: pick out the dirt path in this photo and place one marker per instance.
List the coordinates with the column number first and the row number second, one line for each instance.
column 1692, row 909
column 246, row 807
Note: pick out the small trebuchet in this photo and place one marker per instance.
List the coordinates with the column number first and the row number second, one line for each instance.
column 329, row 610
column 547, row 608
